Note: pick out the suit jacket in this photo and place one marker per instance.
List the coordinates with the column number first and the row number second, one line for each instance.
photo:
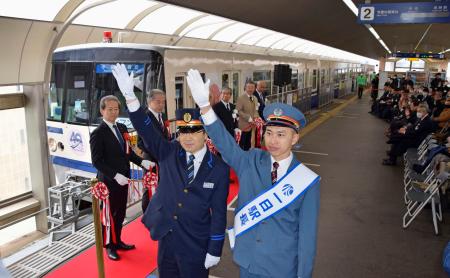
column 108, row 157
column 285, row 244
column 195, row 213
column 417, row 133
column 225, row 116
column 145, row 153
column 262, row 103
column 246, row 109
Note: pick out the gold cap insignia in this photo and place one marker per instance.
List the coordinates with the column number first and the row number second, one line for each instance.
column 187, row 117
column 278, row 112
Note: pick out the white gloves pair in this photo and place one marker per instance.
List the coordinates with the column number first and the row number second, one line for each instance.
column 199, row 90
column 147, row 164
column 211, row 260
column 121, row 179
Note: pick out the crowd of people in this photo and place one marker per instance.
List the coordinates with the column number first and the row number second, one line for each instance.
column 187, row 213
column 413, row 113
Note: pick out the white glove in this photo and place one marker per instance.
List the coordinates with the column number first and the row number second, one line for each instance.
column 211, row 260
column 250, row 120
column 121, row 179
column 199, row 90
column 237, row 131
column 147, row 164
column 124, row 81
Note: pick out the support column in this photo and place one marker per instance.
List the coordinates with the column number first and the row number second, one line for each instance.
column 40, row 170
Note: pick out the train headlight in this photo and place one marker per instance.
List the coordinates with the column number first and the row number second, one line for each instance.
column 52, row 145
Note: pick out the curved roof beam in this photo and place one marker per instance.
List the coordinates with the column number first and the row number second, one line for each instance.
column 67, row 10
column 274, row 43
column 195, row 28
column 263, row 37
column 221, row 29
column 245, row 34
column 187, row 23
column 139, row 17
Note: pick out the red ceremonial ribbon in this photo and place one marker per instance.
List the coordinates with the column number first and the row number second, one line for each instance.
column 127, row 138
column 237, row 137
column 150, row 181
column 211, row 146
column 167, row 126
column 259, row 123
column 101, row 193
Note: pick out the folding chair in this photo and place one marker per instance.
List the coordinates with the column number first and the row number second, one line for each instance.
column 419, row 198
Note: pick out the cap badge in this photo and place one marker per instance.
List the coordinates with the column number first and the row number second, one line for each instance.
column 278, row 112
column 187, row 117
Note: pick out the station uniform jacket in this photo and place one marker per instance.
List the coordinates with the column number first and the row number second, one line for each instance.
column 109, row 158
column 283, row 245
column 194, row 213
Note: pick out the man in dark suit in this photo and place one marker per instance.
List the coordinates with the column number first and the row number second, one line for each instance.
column 224, row 110
column 156, row 102
column 111, row 157
column 410, row 136
column 187, row 214
column 259, row 94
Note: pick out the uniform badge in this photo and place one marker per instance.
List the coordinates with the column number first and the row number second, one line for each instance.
column 278, row 112
column 187, row 117
column 208, row 185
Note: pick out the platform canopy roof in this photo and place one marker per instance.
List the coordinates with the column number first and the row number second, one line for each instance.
column 30, row 28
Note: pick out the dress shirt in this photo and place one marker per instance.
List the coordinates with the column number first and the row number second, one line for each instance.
column 198, row 158
column 111, row 126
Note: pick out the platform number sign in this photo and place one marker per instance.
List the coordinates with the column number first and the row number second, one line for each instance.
column 367, row 13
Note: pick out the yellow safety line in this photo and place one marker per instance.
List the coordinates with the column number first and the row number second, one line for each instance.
column 325, row 116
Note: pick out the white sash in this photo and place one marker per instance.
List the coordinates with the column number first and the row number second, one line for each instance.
column 284, row 192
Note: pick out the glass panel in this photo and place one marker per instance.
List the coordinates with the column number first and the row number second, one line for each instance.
column 15, row 172
column 115, row 15
column 78, row 86
column 233, row 32
column 389, row 66
column 418, row 64
column 252, row 37
column 270, row 39
column 166, row 20
column 179, row 92
column 40, row 10
column 204, row 27
column 105, row 84
column 55, row 96
column 235, row 86
column 225, row 80
column 403, row 63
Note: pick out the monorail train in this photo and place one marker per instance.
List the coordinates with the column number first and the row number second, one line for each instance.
column 81, row 76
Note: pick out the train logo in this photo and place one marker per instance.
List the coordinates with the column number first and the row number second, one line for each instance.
column 288, row 190
column 76, row 141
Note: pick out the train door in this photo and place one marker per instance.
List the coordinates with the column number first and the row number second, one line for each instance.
column 231, row 79
column 179, row 91
column 314, row 77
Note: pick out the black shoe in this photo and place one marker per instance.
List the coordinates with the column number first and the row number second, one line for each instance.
column 388, row 162
column 112, row 254
column 123, row 246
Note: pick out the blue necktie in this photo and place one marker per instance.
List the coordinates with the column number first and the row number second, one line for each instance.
column 119, row 137
column 190, row 168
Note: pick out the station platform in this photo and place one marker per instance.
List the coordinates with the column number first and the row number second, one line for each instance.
column 360, row 222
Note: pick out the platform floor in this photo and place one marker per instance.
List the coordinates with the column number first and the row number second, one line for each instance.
column 360, row 222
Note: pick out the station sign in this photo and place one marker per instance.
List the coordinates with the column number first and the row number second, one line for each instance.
column 418, row 55
column 395, row 13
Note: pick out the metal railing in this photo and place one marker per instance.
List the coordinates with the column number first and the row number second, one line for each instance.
column 300, row 98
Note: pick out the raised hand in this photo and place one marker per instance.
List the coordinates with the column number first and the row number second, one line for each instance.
column 199, row 90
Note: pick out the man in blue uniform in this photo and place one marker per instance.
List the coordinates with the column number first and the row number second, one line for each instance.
column 275, row 226
column 187, row 214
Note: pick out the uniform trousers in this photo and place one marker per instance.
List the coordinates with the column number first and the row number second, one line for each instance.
column 172, row 265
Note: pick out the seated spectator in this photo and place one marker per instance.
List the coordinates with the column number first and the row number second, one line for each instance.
column 444, row 116
column 410, row 136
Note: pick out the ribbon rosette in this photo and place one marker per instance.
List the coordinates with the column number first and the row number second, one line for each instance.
column 127, row 138
column 150, row 181
column 259, row 123
column 211, row 146
column 101, row 193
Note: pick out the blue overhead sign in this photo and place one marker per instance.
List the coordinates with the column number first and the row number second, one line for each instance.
column 418, row 55
column 394, row 13
column 106, row 68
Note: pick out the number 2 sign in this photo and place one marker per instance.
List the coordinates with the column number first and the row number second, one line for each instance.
column 367, row 13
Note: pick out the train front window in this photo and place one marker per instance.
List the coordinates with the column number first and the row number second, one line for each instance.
column 55, row 96
column 105, row 84
column 78, row 86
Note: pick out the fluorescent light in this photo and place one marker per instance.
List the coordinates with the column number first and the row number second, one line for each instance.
column 374, row 33
column 444, row 51
column 351, row 6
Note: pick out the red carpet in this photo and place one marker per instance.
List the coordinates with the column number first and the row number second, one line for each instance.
column 134, row 263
